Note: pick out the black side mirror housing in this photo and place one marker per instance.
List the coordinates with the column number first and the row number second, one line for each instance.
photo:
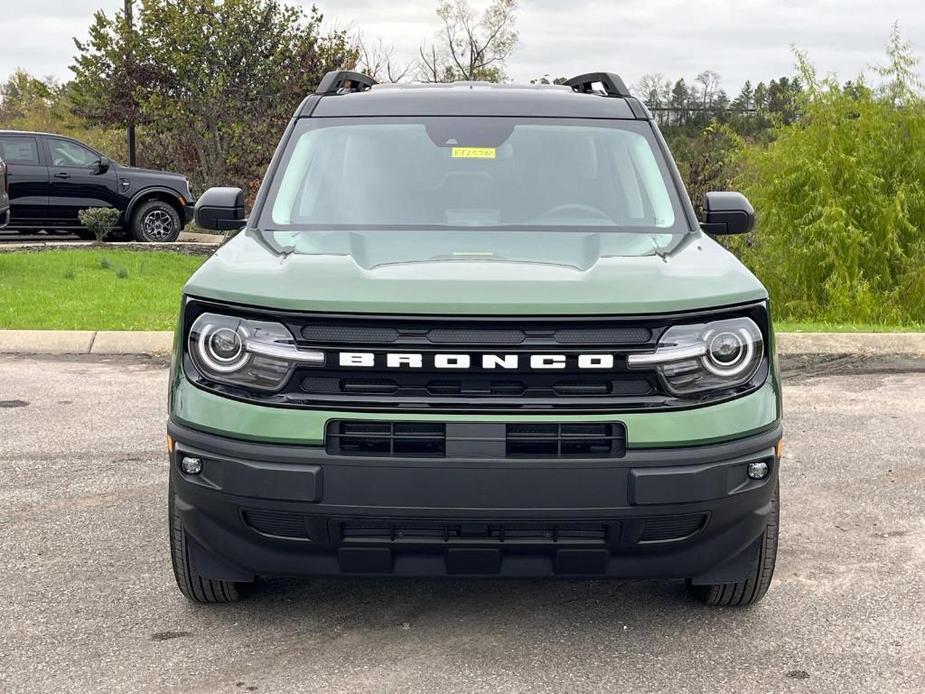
column 102, row 166
column 221, row 209
column 726, row 213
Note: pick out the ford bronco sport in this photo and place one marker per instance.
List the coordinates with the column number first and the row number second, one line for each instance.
column 474, row 330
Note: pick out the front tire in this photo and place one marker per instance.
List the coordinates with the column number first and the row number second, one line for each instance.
column 155, row 220
column 190, row 583
column 753, row 588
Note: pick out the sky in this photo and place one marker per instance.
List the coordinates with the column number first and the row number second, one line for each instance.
column 739, row 39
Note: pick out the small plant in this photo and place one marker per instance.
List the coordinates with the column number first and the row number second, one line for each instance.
column 69, row 274
column 99, row 220
column 105, row 263
column 122, row 272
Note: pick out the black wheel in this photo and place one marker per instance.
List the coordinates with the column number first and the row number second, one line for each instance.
column 753, row 588
column 191, row 584
column 155, row 220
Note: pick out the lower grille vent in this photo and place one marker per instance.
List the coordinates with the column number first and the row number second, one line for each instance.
column 428, row 532
column 278, row 524
column 475, row 440
column 565, row 440
column 667, row 528
column 388, row 439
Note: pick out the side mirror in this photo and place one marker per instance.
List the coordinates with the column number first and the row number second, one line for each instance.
column 102, row 166
column 221, row 209
column 727, row 213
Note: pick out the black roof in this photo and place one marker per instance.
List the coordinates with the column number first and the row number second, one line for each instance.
column 471, row 99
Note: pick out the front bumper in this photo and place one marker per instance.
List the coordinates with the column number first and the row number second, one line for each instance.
column 271, row 509
column 189, row 213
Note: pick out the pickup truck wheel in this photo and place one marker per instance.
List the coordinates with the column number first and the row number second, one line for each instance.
column 155, row 220
column 752, row 589
column 191, row 584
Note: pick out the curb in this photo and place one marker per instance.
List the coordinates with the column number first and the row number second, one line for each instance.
column 161, row 342
column 86, row 341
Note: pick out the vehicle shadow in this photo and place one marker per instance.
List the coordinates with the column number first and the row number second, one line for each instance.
column 403, row 602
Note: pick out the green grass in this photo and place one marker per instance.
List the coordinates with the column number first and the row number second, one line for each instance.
column 92, row 289
column 823, row 327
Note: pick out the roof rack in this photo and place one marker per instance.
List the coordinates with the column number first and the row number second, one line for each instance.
column 613, row 84
column 344, row 82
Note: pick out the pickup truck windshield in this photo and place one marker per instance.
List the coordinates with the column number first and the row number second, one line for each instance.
column 441, row 174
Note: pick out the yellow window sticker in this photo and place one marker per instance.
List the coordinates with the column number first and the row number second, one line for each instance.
column 473, row 152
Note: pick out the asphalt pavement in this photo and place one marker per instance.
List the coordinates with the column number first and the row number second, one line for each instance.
column 88, row 602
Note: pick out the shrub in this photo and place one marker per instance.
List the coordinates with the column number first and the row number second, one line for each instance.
column 840, row 197
column 99, row 220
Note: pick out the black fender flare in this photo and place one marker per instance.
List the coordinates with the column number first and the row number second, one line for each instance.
column 144, row 192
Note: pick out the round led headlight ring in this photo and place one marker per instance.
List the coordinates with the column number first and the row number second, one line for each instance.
column 222, row 348
column 729, row 352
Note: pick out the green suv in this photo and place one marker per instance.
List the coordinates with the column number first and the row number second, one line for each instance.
column 474, row 330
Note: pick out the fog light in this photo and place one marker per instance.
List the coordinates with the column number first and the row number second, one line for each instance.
column 758, row 471
column 193, row 466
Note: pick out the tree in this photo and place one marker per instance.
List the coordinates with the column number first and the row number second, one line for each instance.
column 901, row 81
column 745, row 101
column 30, row 103
column 376, row 59
column 655, row 91
column 680, row 98
column 470, row 46
column 709, row 83
column 545, row 80
column 211, row 82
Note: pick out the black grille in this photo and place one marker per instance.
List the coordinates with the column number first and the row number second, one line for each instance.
column 475, row 440
column 387, row 439
column 407, row 332
column 278, row 524
column 432, row 532
column 476, row 387
column 666, row 528
column 565, row 440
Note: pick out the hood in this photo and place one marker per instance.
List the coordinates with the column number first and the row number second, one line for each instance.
column 151, row 172
column 385, row 273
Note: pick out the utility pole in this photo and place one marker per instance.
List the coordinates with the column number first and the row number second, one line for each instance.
column 130, row 133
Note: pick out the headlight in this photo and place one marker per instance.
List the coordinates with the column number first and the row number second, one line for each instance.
column 253, row 354
column 708, row 356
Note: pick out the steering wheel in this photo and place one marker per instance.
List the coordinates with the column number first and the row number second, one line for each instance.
column 586, row 210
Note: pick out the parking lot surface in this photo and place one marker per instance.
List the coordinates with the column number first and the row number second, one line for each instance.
column 88, row 602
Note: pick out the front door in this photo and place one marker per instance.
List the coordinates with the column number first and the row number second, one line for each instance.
column 28, row 176
column 77, row 183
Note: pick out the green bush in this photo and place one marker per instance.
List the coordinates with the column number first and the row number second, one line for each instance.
column 840, row 196
column 99, row 220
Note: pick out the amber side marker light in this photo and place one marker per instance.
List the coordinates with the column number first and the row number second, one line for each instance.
column 779, row 448
column 169, row 443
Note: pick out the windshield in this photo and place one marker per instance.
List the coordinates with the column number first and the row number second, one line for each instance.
column 422, row 179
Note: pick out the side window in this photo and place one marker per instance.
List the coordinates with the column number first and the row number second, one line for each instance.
column 19, row 150
column 67, row 153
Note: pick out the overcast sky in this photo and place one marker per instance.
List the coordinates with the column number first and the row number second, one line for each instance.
column 739, row 39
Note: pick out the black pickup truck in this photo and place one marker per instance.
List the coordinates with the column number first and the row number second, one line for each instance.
column 52, row 178
column 4, row 196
